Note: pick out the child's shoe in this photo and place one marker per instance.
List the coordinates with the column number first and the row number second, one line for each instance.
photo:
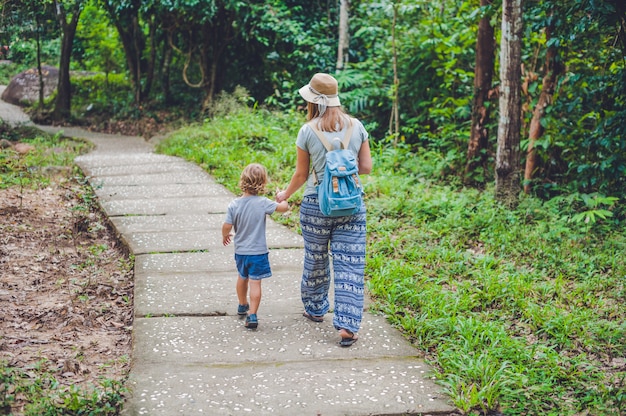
column 251, row 321
column 243, row 309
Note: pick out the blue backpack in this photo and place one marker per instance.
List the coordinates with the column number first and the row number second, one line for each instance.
column 341, row 191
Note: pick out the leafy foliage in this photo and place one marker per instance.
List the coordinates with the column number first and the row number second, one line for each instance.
column 583, row 148
column 97, row 47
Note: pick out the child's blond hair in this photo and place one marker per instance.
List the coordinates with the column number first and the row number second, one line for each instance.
column 253, row 179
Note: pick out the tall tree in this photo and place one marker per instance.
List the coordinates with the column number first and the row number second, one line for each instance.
column 508, row 152
column 130, row 24
column 344, row 35
column 394, row 120
column 68, row 13
column 38, row 29
column 551, row 71
column 483, row 78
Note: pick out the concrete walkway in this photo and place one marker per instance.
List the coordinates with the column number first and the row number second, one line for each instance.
column 191, row 353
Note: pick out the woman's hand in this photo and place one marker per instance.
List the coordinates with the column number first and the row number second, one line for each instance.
column 281, row 196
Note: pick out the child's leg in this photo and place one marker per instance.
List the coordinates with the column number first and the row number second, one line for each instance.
column 255, row 295
column 242, row 290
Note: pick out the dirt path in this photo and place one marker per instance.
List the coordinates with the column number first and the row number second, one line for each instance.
column 10, row 113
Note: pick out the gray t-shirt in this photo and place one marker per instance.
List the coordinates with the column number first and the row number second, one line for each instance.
column 309, row 142
column 248, row 215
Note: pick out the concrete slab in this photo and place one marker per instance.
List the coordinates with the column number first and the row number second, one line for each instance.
column 210, row 294
column 126, row 192
column 165, row 178
column 280, row 337
column 164, row 206
column 106, row 144
column 185, row 240
column 170, row 164
column 97, row 159
column 190, row 222
column 156, row 223
column 213, row 260
column 349, row 387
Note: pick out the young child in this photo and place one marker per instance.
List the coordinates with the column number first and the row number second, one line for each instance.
column 246, row 215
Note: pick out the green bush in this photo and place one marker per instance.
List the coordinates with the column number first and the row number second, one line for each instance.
column 8, row 71
column 101, row 94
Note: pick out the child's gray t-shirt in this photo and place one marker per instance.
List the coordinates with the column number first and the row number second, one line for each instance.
column 248, row 216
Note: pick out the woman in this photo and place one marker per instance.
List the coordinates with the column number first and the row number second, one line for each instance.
column 344, row 236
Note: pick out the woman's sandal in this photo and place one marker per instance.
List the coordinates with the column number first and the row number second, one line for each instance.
column 347, row 337
column 313, row 317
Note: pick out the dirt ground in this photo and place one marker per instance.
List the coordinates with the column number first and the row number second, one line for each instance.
column 66, row 287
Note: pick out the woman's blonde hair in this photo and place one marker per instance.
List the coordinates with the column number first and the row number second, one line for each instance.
column 253, row 179
column 333, row 119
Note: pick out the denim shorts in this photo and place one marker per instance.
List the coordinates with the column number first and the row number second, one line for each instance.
column 255, row 267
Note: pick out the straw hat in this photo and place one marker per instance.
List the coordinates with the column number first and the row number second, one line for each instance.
column 321, row 90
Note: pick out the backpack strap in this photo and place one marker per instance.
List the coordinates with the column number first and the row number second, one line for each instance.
column 320, row 136
column 329, row 147
column 344, row 143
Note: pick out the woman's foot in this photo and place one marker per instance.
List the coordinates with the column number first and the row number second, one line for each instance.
column 313, row 318
column 347, row 337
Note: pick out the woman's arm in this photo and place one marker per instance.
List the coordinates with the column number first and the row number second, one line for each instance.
column 299, row 176
column 365, row 158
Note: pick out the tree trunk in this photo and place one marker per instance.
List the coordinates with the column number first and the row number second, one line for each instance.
column 483, row 78
column 39, row 72
column 344, row 35
column 508, row 153
column 216, row 37
column 148, row 71
column 394, row 119
column 63, row 102
column 552, row 70
column 165, row 74
column 131, row 34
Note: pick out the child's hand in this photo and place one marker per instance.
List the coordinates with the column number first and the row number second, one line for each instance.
column 281, row 196
column 227, row 233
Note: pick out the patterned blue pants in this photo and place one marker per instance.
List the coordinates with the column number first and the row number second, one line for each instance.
column 345, row 236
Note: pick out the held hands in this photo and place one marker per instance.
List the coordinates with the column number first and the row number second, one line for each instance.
column 281, row 196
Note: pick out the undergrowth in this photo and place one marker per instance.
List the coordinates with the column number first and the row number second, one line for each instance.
column 518, row 311
column 46, row 396
column 45, row 157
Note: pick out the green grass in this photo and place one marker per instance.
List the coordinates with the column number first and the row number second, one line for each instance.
column 50, row 155
column 45, row 396
column 520, row 311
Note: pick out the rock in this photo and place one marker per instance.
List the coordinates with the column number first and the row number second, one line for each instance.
column 24, row 87
column 23, row 148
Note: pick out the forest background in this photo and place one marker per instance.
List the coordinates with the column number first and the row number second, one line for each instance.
column 496, row 205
